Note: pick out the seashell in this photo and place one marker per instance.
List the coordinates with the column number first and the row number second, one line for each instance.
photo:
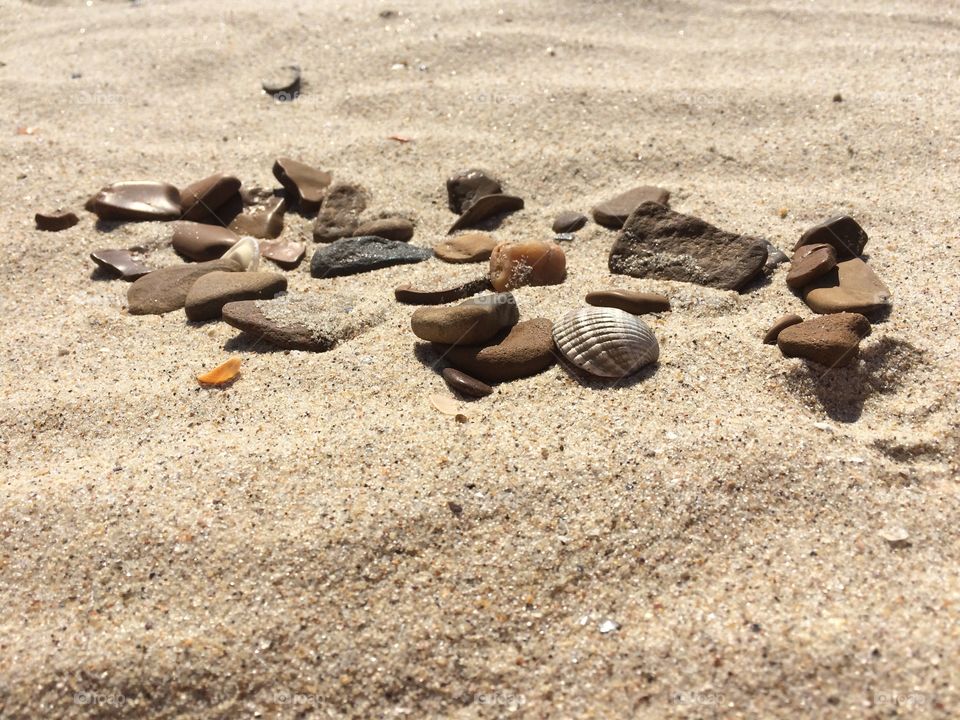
column 245, row 251
column 605, row 341
column 221, row 374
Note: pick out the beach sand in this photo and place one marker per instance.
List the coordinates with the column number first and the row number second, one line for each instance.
column 705, row 540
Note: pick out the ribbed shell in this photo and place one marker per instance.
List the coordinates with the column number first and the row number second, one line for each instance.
column 605, row 341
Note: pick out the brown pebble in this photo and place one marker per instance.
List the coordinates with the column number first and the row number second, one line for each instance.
column 55, row 221
column 613, row 213
column 784, row 322
column 467, row 186
column 285, row 253
column 830, row 340
column 136, row 200
column 305, row 185
column 391, row 228
column 120, row 263
column 464, row 384
column 412, row 296
column 852, row 286
column 202, row 242
column 514, row 265
column 842, row 232
column 629, row 301
column 525, row 349
column 810, row 262
column 202, row 200
column 465, row 248
column 569, row 222
column 266, row 222
column 486, row 207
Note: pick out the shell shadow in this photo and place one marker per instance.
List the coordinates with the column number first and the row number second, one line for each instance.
column 842, row 392
column 99, row 274
column 595, row 382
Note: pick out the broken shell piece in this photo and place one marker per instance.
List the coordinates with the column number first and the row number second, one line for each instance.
column 514, row 265
column 445, row 404
column 246, row 251
column 222, row 374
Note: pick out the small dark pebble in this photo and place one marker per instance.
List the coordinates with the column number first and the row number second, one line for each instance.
column 464, row 384
column 569, row 222
column 55, row 221
column 455, row 508
column 838, row 98
column 785, row 321
column 120, row 263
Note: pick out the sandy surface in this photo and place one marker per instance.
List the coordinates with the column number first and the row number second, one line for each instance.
column 286, row 547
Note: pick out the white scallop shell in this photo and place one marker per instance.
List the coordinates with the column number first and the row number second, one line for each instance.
column 605, row 341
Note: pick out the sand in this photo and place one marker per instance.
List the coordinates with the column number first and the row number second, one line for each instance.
column 705, row 540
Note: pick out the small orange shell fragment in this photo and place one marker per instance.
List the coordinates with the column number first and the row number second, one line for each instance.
column 221, row 374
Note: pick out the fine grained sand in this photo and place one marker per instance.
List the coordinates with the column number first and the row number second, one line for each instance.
column 286, row 546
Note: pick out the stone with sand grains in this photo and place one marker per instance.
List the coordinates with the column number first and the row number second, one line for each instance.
column 657, row 242
column 362, row 254
column 339, row 216
column 304, row 322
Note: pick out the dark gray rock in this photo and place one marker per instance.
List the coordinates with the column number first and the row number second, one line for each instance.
column 361, row 254
column 657, row 242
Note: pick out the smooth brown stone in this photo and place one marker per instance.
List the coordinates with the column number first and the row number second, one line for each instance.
column 55, row 221
column 841, row 232
column 525, row 349
column 339, row 216
column 657, row 242
column 613, row 213
column 137, row 200
column 285, row 253
column 210, row 293
column 201, row 242
column 465, row 187
column 569, row 222
column 809, row 263
column 303, row 322
column 306, row 186
column 851, row 286
column 412, row 296
column 471, row 322
column 201, row 200
column 637, row 303
column 119, row 263
column 486, row 207
column 464, row 384
column 831, row 340
column 784, row 322
column 264, row 223
column 391, row 228
column 166, row 289
column 514, row 265
column 465, row 248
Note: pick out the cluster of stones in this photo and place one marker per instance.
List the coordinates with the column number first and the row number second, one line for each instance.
column 829, row 272
column 224, row 229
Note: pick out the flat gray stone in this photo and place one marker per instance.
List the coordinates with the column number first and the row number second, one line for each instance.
column 362, row 254
column 214, row 290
